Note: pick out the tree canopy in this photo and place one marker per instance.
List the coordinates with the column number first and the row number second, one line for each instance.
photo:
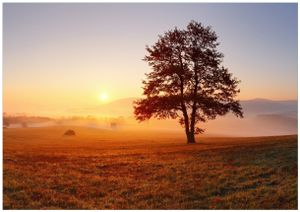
column 187, row 81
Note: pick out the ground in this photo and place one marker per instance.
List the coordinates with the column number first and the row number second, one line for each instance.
column 106, row 169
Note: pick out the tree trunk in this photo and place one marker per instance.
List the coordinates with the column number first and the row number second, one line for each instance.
column 192, row 130
column 190, row 137
column 191, row 133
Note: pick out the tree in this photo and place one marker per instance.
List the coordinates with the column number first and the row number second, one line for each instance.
column 187, row 81
column 24, row 124
column 6, row 121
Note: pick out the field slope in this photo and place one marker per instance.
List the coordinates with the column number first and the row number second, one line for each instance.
column 98, row 169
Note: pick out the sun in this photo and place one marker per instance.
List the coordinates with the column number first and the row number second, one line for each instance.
column 103, row 97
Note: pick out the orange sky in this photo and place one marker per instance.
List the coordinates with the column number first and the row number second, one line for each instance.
column 62, row 56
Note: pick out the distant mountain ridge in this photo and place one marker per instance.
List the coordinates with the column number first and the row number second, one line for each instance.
column 124, row 107
column 261, row 117
column 269, row 106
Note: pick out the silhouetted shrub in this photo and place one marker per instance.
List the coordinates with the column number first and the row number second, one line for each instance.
column 113, row 125
column 6, row 122
column 70, row 133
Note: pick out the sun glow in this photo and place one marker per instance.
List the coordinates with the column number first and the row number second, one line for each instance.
column 103, row 97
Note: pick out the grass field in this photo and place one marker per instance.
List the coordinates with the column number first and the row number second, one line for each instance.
column 98, row 169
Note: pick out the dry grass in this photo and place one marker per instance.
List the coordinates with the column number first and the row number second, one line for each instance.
column 99, row 169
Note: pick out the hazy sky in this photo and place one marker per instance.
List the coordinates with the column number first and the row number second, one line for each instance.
column 63, row 56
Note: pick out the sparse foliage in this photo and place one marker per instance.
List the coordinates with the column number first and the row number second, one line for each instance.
column 187, row 81
column 6, row 122
column 24, row 124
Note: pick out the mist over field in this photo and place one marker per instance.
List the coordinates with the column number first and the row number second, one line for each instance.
column 261, row 117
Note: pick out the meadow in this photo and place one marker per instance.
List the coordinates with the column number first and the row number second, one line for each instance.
column 116, row 169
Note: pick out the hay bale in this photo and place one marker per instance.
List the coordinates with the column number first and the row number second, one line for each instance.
column 70, row 133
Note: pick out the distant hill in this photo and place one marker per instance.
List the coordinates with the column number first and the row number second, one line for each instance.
column 264, row 106
column 124, row 107
column 261, row 117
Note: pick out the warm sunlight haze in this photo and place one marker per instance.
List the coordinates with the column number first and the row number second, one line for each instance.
column 51, row 69
column 103, row 97
column 150, row 106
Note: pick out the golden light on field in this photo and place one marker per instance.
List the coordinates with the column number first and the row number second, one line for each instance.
column 103, row 97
